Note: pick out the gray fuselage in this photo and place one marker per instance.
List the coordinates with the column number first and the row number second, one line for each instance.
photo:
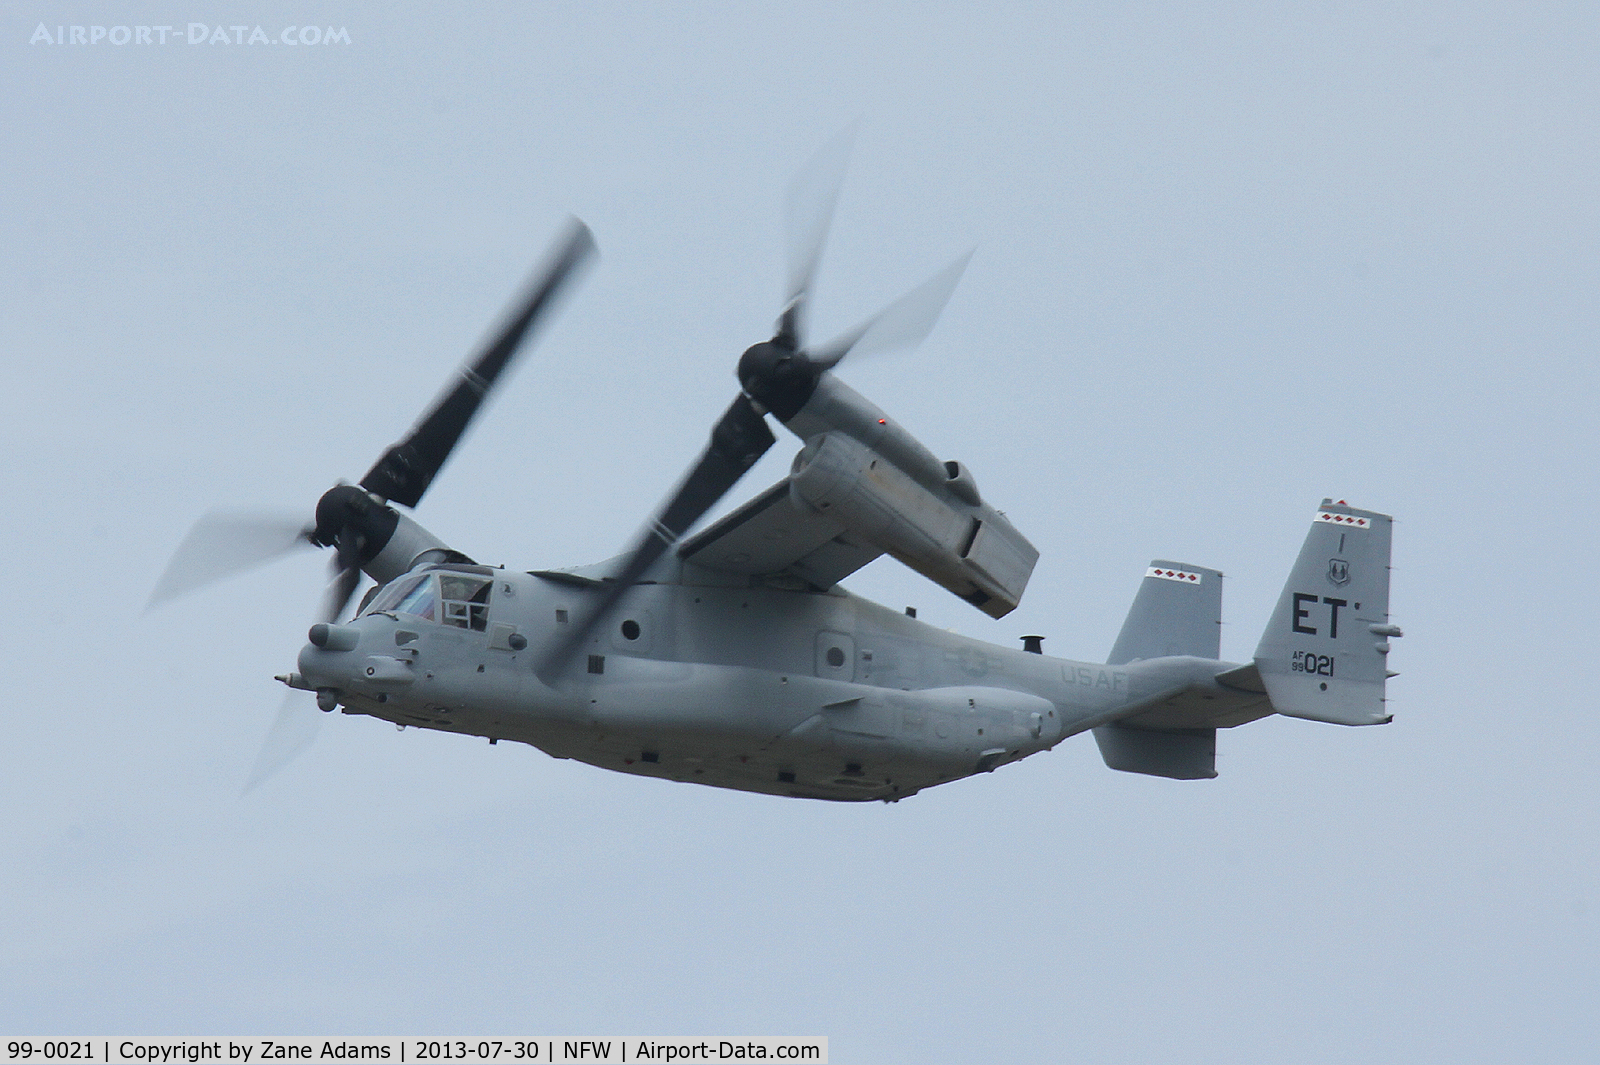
column 782, row 691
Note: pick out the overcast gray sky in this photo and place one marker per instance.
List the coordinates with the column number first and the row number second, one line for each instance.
column 1230, row 260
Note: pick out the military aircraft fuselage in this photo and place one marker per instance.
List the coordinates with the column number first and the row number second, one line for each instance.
column 783, row 691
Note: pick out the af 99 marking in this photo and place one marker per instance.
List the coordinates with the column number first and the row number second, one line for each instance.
column 1304, row 662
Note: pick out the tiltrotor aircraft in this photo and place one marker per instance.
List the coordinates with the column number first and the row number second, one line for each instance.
column 733, row 657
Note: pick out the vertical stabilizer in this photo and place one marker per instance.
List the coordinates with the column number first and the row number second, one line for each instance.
column 1323, row 655
column 1178, row 611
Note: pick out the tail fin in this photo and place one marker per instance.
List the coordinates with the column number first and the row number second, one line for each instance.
column 1178, row 611
column 1322, row 656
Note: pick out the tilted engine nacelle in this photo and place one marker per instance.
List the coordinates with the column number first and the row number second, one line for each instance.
column 942, row 529
column 866, row 472
column 409, row 546
column 862, row 486
column 375, row 536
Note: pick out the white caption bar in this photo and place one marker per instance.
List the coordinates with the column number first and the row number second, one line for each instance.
column 544, row 1050
column 1173, row 574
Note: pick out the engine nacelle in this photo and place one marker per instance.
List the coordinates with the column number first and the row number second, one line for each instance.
column 935, row 523
column 409, row 546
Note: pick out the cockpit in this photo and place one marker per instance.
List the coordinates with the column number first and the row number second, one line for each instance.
column 447, row 596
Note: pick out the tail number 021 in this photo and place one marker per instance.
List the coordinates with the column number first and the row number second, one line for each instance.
column 1304, row 662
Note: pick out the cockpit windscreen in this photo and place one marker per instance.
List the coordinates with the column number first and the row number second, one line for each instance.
column 457, row 599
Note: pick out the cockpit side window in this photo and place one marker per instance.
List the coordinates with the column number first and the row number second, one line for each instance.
column 466, row 600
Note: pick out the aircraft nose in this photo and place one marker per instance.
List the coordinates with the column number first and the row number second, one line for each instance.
column 334, row 637
column 326, row 662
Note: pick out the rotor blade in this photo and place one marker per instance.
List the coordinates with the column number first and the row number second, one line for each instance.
column 813, row 195
column 346, row 576
column 904, row 323
column 222, row 544
column 406, row 469
column 740, row 438
column 291, row 733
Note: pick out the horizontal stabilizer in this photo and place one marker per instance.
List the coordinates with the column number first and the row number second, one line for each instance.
column 1182, row 754
column 1323, row 655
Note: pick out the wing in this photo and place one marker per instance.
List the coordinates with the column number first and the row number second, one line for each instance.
column 774, row 535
